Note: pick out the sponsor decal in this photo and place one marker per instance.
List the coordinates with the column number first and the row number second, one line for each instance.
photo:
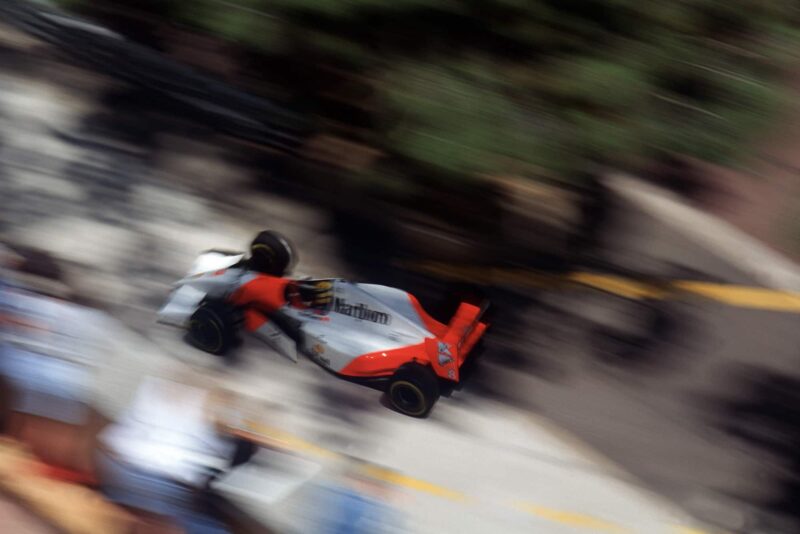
column 317, row 315
column 445, row 356
column 317, row 351
column 360, row 311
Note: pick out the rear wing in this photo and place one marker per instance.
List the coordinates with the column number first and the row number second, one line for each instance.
column 463, row 332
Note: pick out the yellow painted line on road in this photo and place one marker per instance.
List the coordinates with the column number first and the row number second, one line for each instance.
column 572, row 519
column 689, row 530
column 398, row 479
column 744, row 296
column 273, row 437
column 615, row 284
column 758, row 298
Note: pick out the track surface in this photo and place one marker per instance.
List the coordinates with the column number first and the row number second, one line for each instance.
column 124, row 195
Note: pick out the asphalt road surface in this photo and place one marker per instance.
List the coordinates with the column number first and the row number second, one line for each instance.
column 651, row 393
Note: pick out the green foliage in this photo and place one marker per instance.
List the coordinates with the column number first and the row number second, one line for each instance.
column 440, row 111
column 523, row 86
column 247, row 24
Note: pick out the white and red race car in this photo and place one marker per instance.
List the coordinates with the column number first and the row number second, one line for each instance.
column 367, row 333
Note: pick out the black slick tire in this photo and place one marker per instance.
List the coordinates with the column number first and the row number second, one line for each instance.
column 213, row 327
column 413, row 390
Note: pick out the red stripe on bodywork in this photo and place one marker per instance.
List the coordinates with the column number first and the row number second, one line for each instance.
column 473, row 338
column 259, row 297
column 253, row 319
column 444, row 353
column 385, row 362
column 265, row 293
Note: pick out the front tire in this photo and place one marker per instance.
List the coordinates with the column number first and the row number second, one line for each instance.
column 413, row 390
column 213, row 327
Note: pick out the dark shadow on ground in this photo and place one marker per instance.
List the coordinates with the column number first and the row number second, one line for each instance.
column 525, row 321
column 684, row 177
column 14, row 60
column 764, row 415
column 527, row 325
column 645, row 341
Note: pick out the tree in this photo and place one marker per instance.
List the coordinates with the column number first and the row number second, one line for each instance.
column 464, row 89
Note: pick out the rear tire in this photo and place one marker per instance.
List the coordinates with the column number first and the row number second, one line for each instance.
column 213, row 327
column 272, row 254
column 413, row 390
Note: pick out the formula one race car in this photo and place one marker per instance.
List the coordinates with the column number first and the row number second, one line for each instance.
column 367, row 333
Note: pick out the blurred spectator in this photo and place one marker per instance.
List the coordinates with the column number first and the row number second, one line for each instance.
column 355, row 503
column 9, row 261
column 161, row 454
column 44, row 369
